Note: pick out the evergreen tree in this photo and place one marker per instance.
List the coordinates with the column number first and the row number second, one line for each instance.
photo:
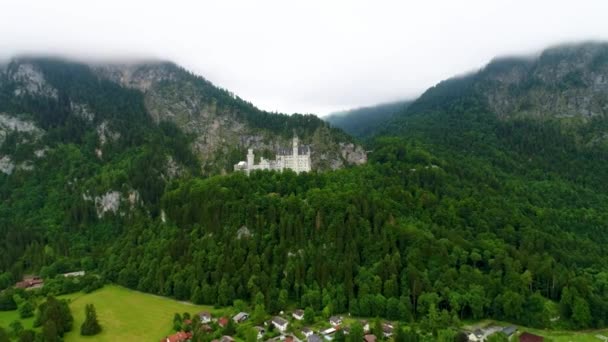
column 309, row 315
column 91, row 325
column 50, row 332
column 356, row 333
column 177, row 322
column 26, row 309
column 3, row 335
column 16, row 328
column 27, row 336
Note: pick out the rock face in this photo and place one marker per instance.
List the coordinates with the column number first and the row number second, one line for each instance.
column 30, row 80
column 221, row 126
column 108, row 202
column 215, row 117
column 23, row 132
column 569, row 81
column 6, row 165
column 10, row 124
column 565, row 81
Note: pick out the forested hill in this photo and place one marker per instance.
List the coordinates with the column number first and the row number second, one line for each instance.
column 365, row 121
column 467, row 208
column 220, row 125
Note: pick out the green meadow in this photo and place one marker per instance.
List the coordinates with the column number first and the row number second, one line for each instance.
column 128, row 315
column 125, row 315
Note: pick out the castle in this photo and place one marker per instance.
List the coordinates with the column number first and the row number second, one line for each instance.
column 296, row 159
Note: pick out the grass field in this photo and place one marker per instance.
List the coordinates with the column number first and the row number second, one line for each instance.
column 6, row 317
column 551, row 335
column 127, row 315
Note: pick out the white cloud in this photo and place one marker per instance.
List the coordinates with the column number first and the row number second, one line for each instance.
column 303, row 56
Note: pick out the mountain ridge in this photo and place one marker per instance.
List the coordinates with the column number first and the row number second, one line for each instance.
column 221, row 123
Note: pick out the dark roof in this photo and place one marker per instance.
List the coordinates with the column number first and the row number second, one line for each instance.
column 314, row 338
column 509, row 330
column 288, row 151
column 528, row 337
column 279, row 320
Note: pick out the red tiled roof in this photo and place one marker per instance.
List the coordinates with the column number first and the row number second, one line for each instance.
column 528, row 337
column 180, row 336
column 223, row 321
column 369, row 338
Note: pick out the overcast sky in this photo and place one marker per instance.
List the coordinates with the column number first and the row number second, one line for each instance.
column 312, row 56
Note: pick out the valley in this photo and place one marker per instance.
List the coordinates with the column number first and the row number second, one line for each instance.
column 481, row 202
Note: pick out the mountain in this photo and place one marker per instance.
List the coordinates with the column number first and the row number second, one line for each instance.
column 485, row 198
column 566, row 82
column 363, row 122
column 220, row 125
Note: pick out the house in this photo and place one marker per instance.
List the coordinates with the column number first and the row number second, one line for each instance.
column 472, row 337
column 240, row 317
column 307, row 331
column 509, row 330
column 261, row 331
column 387, row 329
column 370, row 338
column 528, row 337
column 298, row 314
column 30, row 283
column 280, row 323
column 328, row 331
column 335, row 321
column 180, row 336
column 205, row 317
column 227, row 339
column 365, row 325
column 314, row 338
column 222, row 322
column 74, row 274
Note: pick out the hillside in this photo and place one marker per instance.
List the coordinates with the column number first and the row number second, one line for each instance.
column 468, row 208
column 219, row 125
column 365, row 121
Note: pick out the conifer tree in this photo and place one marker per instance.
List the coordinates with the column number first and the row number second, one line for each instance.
column 91, row 325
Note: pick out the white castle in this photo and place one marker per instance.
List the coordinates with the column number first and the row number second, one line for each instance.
column 298, row 160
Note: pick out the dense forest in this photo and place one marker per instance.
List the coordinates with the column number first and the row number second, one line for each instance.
column 366, row 121
column 459, row 214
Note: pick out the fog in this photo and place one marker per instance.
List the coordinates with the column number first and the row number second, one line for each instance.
column 308, row 56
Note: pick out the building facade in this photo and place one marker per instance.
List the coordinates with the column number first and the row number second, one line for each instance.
column 296, row 159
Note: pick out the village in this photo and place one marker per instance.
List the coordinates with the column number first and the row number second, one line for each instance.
column 291, row 328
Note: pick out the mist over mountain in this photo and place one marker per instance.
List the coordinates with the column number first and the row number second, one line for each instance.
column 365, row 121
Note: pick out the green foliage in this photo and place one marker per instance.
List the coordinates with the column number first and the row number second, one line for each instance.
column 27, row 336
column 4, row 337
column 16, row 328
column 356, row 333
column 7, row 302
column 55, row 317
column 363, row 122
column 309, row 315
column 459, row 214
column 90, row 326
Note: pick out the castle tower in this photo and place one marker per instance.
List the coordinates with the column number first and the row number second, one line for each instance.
column 295, row 145
column 250, row 158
